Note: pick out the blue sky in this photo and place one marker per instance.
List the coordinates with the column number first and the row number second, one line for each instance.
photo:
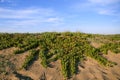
column 89, row 16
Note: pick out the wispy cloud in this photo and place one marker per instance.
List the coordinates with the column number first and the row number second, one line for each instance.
column 25, row 13
column 103, row 2
column 102, row 7
column 29, row 17
column 7, row 1
column 106, row 12
column 2, row 1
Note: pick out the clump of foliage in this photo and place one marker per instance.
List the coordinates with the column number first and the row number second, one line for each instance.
column 70, row 48
column 6, row 66
column 29, row 58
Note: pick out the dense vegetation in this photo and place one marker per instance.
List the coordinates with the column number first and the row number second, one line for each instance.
column 69, row 48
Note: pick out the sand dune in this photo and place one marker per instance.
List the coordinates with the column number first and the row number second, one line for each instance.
column 88, row 70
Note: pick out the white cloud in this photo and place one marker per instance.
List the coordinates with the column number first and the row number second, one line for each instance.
column 102, row 7
column 25, row 13
column 54, row 19
column 104, row 2
column 2, row 0
column 106, row 12
column 8, row 1
column 28, row 17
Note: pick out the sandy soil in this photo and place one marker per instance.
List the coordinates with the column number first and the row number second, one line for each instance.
column 90, row 70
